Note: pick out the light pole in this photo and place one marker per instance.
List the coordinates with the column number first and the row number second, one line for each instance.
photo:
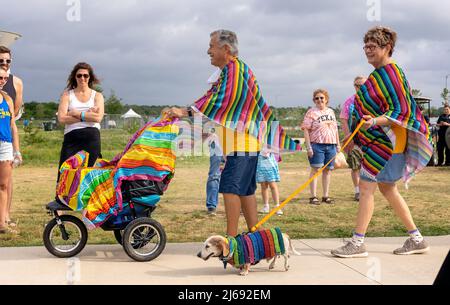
column 446, row 90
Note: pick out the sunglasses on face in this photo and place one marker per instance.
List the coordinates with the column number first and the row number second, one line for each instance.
column 5, row 78
column 83, row 75
column 5, row 61
column 319, row 98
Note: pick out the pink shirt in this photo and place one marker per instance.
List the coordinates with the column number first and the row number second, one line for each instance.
column 346, row 108
column 321, row 125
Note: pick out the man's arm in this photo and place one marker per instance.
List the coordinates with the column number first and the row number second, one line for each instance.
column 18, row 85
column 176, row 112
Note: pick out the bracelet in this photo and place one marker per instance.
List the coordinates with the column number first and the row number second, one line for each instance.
column 17, row 153
column 374, row 122
column 82, row 119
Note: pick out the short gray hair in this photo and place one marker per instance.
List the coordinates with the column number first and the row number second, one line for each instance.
column 226, row 37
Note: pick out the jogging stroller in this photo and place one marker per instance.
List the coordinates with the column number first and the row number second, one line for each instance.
column 118, row 195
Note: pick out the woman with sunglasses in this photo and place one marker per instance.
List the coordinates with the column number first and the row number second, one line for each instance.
column 9, row 150
column 81, row 110
column 395, row 140
column 322, row 142
column 14, row 88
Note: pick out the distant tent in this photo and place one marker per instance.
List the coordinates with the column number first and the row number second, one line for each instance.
column 131, row 114
column 8, row 38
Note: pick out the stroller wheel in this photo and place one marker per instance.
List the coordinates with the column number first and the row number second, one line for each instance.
column 67, row 239
column 144, row 239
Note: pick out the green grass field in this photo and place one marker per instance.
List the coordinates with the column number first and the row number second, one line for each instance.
column 182, row 209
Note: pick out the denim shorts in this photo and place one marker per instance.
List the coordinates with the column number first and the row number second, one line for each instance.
column 239, row 175
column 392, row 171
column 6, row 151
column 322, row 154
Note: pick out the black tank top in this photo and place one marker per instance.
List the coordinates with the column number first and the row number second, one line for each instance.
column 9, row 88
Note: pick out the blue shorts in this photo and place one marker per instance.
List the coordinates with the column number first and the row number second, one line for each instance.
column 322, row 154
column 392, row 171
column 239, row 175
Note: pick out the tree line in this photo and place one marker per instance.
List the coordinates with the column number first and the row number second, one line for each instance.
column 288, row 116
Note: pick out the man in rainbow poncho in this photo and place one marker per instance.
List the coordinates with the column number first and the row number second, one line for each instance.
column 235, row 102
column 395, row 141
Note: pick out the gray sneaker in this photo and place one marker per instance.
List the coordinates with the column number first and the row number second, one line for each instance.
column 411, row 247
column 212, row 212
column 350, row 250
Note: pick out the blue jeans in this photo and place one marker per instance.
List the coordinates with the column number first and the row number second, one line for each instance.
column 212, row 186
column 323, row 153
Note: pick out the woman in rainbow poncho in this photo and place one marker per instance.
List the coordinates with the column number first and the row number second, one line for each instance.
column 395, row 140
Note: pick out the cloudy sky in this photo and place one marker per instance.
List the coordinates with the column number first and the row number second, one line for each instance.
column 153, row 52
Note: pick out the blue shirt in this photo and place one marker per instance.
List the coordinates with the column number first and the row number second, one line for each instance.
column 5, row 122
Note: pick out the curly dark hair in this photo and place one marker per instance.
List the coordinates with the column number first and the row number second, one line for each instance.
column 72, row 80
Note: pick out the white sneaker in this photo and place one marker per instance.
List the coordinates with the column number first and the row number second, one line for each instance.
column 279, row 212
column 265, row 210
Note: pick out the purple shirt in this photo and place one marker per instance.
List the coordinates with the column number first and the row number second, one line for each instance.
column 346, row 108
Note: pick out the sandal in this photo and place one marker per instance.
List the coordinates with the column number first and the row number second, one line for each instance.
column 314, row 200
column 327, row 200
column 11, row 223
column 7, row 230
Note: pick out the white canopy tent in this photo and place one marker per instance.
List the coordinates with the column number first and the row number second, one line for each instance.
column 8, row 38
column 131, row 114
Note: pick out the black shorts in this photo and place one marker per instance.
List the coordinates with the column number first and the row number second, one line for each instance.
column 239, row 175
column 87, row 139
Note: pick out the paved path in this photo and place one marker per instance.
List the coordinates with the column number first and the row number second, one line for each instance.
column 178, row 264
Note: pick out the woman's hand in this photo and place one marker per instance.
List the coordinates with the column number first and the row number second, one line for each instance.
column 310, row 153
column 74, row 113
column 369, row 121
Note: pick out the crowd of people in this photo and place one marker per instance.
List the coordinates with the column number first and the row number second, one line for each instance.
column 392, row 144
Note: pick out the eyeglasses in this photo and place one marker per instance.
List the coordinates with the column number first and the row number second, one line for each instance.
column 3, row 78
column 370, row 47
column 319, row 98
column 5, row 61
column 83, row 75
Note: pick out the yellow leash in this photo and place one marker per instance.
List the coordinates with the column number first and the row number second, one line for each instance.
column 304, row 185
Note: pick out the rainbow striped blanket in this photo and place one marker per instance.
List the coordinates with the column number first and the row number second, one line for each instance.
column 235, row 101
column 252, row 247
column 387, row 92
column 96, row 190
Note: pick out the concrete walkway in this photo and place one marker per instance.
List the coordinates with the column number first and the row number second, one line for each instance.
column 108, row 264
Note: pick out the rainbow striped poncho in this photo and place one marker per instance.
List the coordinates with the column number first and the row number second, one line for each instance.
column 387, row 92
column 235, row 102
column 250, row 248
column 96, row 190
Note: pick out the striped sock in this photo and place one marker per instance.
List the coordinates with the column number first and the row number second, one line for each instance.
column 357, row 239
column 416, row 236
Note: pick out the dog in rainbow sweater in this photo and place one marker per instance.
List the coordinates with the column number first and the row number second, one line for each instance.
column 248, row 249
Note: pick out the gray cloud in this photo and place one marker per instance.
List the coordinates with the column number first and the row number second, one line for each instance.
column 154, row 52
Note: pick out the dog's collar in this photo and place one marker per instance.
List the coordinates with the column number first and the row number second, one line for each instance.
column 225, row 259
